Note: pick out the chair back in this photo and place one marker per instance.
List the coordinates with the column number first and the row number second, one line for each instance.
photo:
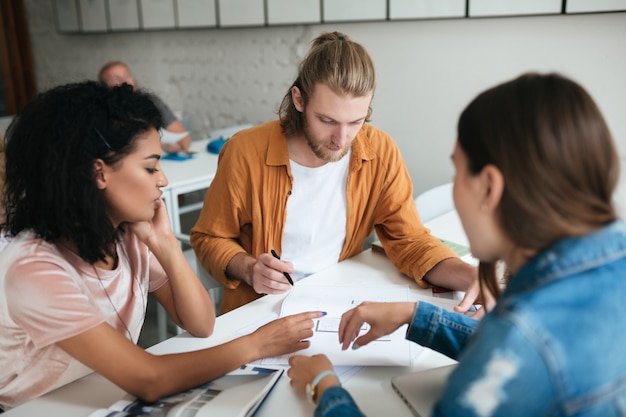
column 435, row 202
column 213, row 286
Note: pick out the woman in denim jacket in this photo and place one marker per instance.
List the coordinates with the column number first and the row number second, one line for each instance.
column 536, row 168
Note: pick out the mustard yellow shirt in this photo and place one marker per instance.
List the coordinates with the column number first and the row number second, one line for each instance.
column 245, row 206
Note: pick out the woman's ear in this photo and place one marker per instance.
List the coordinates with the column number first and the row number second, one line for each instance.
column 296, row 97
column 493, row 186
column 99, row 168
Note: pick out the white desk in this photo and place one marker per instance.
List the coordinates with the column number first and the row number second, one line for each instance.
column 186, row 176
column 370, row 386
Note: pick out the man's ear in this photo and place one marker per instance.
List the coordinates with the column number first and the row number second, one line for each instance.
column 493, row 186
column 298, row 100
column 99, row 168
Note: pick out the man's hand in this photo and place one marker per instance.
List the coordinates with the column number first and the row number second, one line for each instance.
column 264, row 274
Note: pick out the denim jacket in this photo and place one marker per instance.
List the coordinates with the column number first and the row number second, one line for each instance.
column 555, row 343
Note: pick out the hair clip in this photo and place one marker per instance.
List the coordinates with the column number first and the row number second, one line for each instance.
column 341, row 38
column 102, row 137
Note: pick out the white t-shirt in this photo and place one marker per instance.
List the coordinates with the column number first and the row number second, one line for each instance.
column 48, row 294
column 315, row 229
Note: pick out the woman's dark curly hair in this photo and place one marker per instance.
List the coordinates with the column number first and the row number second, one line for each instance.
column 51, row 147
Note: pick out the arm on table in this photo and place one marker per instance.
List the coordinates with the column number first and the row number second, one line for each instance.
column 151, row 377
column 182, row 144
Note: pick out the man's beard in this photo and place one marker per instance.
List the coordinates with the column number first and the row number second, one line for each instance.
column 320, row 148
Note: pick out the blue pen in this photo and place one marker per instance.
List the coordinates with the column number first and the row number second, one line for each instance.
column 275, row 255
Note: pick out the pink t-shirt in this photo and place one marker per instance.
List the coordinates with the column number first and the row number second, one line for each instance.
column 48, row 294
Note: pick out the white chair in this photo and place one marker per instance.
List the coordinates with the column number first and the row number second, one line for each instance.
column 435, row 202
column 212, row 286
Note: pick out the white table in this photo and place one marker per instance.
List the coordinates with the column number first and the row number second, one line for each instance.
column 370, row 386
column 187, row 176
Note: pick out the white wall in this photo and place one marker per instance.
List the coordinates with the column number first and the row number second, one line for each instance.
column 427, row 70
column 438, row 67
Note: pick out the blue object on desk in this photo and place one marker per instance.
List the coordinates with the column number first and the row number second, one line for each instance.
column 176, row 157
column 215, row 146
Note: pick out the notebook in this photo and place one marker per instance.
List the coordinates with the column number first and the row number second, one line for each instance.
column 421, row 390
column 239, row 393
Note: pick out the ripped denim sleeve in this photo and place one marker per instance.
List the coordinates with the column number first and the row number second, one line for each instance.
column 441, row 330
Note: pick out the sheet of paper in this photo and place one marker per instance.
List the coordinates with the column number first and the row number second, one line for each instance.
column 171, row 137
column 390, row 350
column 258, row 323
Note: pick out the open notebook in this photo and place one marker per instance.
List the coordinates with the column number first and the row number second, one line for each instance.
column 239, row 393
column 421, row 390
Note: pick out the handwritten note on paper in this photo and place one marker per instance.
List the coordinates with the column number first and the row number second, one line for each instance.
column 390, row 350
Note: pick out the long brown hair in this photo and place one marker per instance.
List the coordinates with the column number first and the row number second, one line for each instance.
column 560, row 166
column 336, row 61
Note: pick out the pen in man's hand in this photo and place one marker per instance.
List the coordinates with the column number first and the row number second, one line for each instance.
column 286, row 274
